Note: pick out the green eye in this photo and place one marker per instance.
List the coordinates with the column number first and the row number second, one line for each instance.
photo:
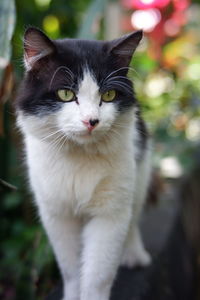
column 66, row 95
column 109, row 96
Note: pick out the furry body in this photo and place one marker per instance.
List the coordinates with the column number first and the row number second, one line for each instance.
column 89, row 184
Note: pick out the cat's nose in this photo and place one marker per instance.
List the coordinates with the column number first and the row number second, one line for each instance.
column 91, row 124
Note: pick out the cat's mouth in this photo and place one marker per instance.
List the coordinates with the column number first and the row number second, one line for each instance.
column 87, row 136
column 87, row 132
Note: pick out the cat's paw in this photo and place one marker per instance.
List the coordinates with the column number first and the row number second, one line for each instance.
column 134, row 258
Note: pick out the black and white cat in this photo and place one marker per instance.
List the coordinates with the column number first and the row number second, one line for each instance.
column 88, row 156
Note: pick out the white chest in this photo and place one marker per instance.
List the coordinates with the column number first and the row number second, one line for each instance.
column 65, row 182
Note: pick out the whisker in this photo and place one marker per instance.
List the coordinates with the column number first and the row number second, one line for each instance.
column 121, row 69
column 120, row 77
column 133, row 70
column 62, row 143
column 115, row 71
column 51, row 134
column 55, row 144
column 67, row 70
column 69, row 87
column 121, row 126
column 120, row 84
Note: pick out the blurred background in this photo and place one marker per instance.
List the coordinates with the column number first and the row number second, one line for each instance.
column 166, row 76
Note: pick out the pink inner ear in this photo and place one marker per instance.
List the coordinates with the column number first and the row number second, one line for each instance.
column 36, row 46
column 31, row 52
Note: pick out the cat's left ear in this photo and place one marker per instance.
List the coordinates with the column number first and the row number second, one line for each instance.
column 125, row 46
column 36, row 46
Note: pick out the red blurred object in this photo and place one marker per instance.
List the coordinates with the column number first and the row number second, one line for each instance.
column 145, row 4
column 179, row 17
column 157, row 39
column 181, row 4
column 173, row 14
column 126, row 24
column 171, row 28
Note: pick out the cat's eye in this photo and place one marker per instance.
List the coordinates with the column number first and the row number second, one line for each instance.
column 109, row 96
column 66, row 95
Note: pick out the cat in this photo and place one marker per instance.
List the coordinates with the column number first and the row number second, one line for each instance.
column 88, row 156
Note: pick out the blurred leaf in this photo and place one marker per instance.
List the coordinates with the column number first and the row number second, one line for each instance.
column 7, row 186
column 7, row 23
column 6, row 88
column 90, row 26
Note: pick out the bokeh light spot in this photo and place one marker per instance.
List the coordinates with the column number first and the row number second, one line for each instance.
column 194, row 71
column 171, row 28
column 146, row 19
column 158, row 84
column 193, row 130
column 170, row 167
column 43, row 3
column 51, row 25
column 147, row 1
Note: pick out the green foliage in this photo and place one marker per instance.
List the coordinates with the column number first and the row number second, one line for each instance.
column 68, row 15
column 87, row 31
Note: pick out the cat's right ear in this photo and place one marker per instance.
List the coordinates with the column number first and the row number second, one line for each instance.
column 36, row 46
column 124, row 47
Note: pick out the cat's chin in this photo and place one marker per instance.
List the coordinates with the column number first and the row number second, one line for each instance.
column 86, row 138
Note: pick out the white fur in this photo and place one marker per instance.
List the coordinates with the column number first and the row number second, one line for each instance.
column 86, row 189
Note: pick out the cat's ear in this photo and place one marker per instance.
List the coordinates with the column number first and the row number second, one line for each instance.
column 125, row 46
column 36, row 46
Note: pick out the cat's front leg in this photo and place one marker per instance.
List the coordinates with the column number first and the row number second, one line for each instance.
column 64, row 235
column 103, row 241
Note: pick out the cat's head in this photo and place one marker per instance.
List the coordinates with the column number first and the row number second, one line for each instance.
column 75, row 88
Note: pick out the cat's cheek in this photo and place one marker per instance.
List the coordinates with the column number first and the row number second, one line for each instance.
column 34, row 125
column 109, row 114
column 67, row 117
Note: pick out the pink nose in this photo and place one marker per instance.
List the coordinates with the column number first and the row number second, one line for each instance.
column 91, row 124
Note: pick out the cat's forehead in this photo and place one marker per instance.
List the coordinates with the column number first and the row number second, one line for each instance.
column 88, row 85
column 82, row 47
column 81, row 54
column 77, row 61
